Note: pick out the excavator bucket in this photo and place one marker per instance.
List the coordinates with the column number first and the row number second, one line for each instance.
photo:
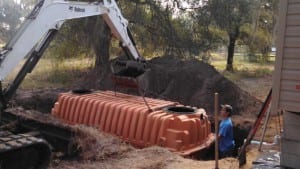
column 125, row 73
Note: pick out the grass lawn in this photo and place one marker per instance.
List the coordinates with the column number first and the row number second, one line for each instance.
column 51, row 73
column 242, row 67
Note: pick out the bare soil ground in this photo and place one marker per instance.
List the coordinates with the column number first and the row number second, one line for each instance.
column 189, row 82
column 259, row 88
column 100, row 150
column 149, row 158
column 103, row 151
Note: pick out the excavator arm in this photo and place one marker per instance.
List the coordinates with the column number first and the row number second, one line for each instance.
column 41, row 25
column 29, row 43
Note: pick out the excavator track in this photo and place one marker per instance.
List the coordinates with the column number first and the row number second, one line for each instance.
column 23, row 151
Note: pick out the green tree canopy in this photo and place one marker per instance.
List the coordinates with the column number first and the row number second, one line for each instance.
column 230, row 16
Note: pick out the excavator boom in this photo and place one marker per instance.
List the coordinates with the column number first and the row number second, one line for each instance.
column 41, row 25
column 29, row 43
column 49, row 15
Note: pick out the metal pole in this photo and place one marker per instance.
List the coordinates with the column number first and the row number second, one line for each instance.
column 265, row 128
column 216, row 131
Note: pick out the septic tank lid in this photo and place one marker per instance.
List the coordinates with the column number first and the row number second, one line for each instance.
column 180, row 110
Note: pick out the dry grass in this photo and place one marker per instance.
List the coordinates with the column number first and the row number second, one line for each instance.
column 148, row 158
column 51, row 73
column 242, row 67
column 57, row 73
column 95, row 145
column 104, row 151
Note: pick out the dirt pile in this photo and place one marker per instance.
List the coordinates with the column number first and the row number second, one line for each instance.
column 95, row 145
column 41, row 100
column 104, row 151
column 149, row 158
column 190, row 82
column 194, row 83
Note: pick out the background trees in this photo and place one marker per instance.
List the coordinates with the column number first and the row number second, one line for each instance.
column 259, row 34
column 184, row 28
column 230, row 16
column 10, row 15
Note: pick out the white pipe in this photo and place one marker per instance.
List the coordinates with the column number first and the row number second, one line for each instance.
column 275, row 142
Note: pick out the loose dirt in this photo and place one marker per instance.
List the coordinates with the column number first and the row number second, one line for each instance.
column 41, row 100
column 190, row 82
column 98, row 150
column 96, row 146
column 104, row 151
column 149, row 158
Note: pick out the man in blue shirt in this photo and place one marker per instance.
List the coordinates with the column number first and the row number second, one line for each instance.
column 226, row 141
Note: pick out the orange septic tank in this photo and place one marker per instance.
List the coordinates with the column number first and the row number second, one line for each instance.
column 180, row 129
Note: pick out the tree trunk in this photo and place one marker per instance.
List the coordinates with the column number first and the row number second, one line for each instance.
column 100, row 38
column 230, row 55
column 102, row 45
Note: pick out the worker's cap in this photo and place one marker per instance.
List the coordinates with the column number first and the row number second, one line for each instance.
column 227, row 108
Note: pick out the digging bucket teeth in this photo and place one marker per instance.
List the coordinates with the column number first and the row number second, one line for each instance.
column 125, row 72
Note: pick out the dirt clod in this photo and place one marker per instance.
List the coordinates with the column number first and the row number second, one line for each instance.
column 96, row 145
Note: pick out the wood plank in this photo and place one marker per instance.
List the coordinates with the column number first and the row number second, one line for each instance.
column 290, row 75
column 292, row 42
column 293, row 31
column 294, row 8
column 289, row 96
column 290, row 147
column 291, row 64
column 293, row 1
column 292, row 53
column 291, row 132
column 289, row 160
column 289, row 106
column 293, row 20
column 290, row 85
column 291, row 118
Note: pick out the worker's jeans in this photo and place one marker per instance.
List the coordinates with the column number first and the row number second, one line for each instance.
column 226, row 154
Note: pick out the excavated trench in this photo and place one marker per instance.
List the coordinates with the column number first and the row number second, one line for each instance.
column 188, row 82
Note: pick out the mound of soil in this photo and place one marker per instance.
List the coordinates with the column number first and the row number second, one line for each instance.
column 190, row 82
column 100, row 150
column 96, row 145
column 148, row 158
column 41, row 100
